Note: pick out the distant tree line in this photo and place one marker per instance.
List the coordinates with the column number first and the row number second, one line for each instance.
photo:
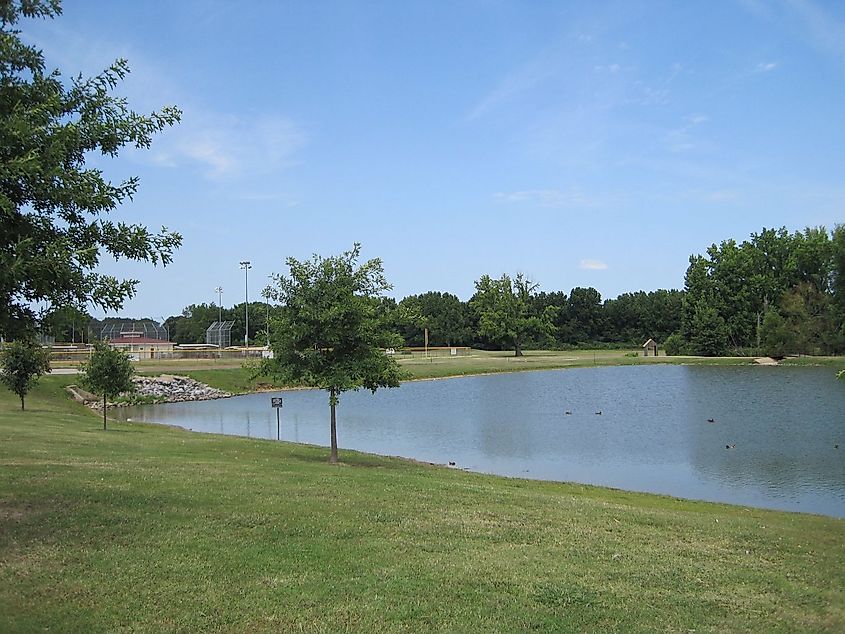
column 776, row 293
column 505, row 313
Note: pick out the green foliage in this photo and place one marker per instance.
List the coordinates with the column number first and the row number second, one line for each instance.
column 505, row 314
column 68, row 324
column 636, row 317
column 331, row 332
column 584, row 315
column 447, row 318
column 21, row 364
column 798, row 275
column 190, row 326
column 708, row 332
column 775, row 335
column 675, row 345
column 108, row 373
column 52, row 230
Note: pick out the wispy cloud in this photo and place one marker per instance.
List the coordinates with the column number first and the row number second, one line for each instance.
column 516, row 83
column 811, row 20
column 221, row 146
column 682, row 139
column 548, row 198
column 592, row 265
column 825, row 31
column 226, row 147
column 765, row 67
column 610, row 68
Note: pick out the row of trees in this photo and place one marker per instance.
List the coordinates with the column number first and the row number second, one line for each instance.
column 778, row 291
column 504, row 312
column 108, row 372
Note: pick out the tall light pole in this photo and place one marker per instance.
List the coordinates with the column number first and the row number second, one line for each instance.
column 246, row 266
column 219, row 291
column 267, row 323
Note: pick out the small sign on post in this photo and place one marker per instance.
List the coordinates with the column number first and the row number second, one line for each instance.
column 276, row 403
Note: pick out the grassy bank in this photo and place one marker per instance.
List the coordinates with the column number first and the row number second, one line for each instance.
column 148, row 528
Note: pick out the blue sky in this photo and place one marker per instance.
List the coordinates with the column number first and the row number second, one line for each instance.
column 584, row 144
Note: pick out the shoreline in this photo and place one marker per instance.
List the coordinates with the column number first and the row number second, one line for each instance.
column 579, row 364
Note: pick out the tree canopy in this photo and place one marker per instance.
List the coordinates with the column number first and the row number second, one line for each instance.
column 331, row 332
column 733, row 289
column 108, row 373
column 52, row 207
column 505, row 310
column 21, row 364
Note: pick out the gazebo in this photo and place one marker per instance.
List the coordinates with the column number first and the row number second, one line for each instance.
column 651, row 345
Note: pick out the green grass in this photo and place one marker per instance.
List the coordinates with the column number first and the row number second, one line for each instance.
column 147, row 528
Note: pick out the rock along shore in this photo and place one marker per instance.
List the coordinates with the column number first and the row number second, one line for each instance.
column 168, row 389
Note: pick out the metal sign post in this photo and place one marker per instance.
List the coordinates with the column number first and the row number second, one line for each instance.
column 276, row 403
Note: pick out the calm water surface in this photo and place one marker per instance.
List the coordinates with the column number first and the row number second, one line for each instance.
column 653, row 434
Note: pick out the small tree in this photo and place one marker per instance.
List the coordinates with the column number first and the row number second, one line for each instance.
column 108, row 372
column 674, row 345
column 22, row 363
column 331, row 332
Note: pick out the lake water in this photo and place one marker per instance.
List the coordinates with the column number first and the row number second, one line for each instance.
column 653, row 434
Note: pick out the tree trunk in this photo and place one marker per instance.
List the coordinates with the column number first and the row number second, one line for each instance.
column 104, row 412
column 517, row 347
column 22, row 408
column 333, row 405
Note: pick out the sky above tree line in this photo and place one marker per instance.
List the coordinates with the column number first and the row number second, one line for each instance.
column 583, row 144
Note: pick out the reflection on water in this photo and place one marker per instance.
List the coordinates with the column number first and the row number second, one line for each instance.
column 652, row 434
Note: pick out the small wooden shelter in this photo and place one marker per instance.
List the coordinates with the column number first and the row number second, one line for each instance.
column 651, row 345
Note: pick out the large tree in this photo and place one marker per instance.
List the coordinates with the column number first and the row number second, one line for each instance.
column 331, row 331
column 52, row 207
column 505, row 309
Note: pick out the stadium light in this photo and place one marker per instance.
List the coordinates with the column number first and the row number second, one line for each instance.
column 266, row 296
column 246, row 266
column 219, row 291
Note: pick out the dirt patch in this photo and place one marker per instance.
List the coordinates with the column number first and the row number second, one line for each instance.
column 13, row 513
column 765, row 361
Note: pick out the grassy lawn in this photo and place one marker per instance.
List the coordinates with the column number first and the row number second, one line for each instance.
column 146, row 528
